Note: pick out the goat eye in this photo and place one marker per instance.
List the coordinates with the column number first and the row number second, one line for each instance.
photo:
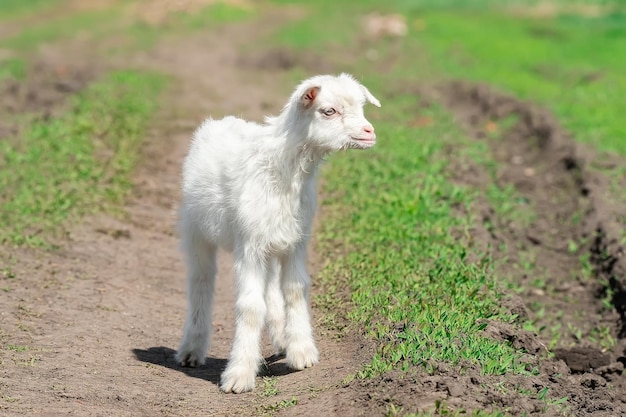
column 329, row 112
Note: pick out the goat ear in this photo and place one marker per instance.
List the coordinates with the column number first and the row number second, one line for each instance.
column 309, row 96
column 370, row 97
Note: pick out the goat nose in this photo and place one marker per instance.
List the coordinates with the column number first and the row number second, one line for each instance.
column 368, row 129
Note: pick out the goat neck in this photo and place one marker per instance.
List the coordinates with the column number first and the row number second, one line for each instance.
column 295, row 157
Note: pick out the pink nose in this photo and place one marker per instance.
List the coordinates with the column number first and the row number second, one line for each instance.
column 368, row 129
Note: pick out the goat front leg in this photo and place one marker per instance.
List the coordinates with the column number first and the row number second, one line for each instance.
column 202, row 267
column 295, row 284
column 245, row 356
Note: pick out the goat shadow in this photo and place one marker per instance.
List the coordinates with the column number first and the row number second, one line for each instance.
column 274, row 365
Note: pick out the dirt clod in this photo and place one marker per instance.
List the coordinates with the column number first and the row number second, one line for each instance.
column 610, row 372
column 519, row 339
column 455, row 390
column 582, row 359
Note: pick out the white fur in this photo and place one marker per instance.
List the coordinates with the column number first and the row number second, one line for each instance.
column 250, row 188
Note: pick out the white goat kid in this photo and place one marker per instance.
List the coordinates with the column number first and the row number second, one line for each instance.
column 250, row 189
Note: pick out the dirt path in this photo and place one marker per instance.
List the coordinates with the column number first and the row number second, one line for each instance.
column 101, row 318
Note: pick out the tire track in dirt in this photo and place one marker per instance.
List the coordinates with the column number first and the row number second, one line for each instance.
column 103, row 316
column 574, row 218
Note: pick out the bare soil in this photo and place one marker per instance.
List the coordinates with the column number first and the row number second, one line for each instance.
column 93, row 326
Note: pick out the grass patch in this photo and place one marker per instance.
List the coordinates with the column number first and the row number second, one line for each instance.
column 145, row 35
column 569, row 64
column 310, row 33
column 273, row 409
column 269, row 386
column 11, row 9
column 64, row 27
column 17, row 348
column 213, row 14
column 117, row 21
column 12, row 68
column 78, row 163
column 405, row 247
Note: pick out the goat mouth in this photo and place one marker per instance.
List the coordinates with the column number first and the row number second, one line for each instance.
column 363, row 142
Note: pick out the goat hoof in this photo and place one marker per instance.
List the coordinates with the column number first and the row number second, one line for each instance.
column 189, row 360
column 237, row 380
column 304, row 357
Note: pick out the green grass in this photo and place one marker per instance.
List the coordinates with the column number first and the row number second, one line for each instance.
column 572, row 65
column 77, row 163
column 11, row 9
column 67, row 26
column 17, row 348
column 214, row 14
column 12, row 68
column 273, row 409
column 114, row 21
column 145, row 35
column 269, row 386
column 405, row 249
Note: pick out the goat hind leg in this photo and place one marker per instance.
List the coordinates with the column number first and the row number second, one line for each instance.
column 275, row 308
